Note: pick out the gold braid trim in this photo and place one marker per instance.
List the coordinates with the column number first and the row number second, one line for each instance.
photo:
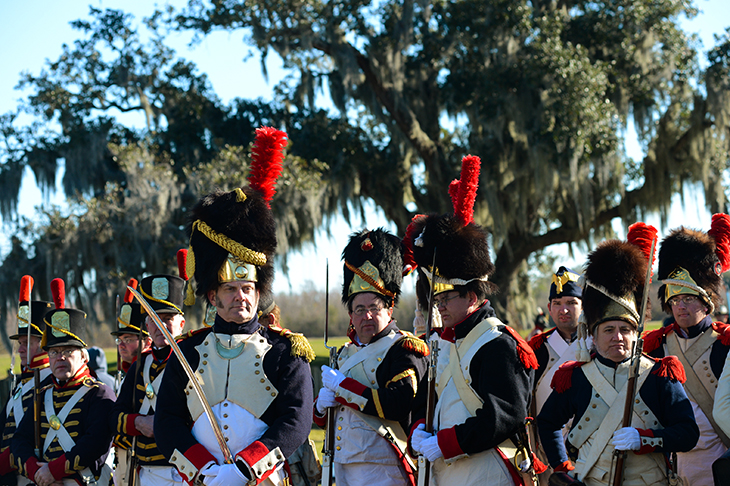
column 68, row 333
column 376, row 402
column 126, row 324
column 31, row 325
column 233, row 247
column 149, row 297
column 369, row 279
column 410, row 372
column 240, row 195
column 190, row 271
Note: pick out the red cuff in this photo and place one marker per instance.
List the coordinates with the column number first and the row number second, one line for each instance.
column 448, row 443
column 128, row 427
column 5, row 465
column 645, row 448
column 320, row 421
column 31, row 467
column 410, row 434
column 564, row 467
column 354, row 386
column 58, row 467
column 199, row 456
column 252, row 455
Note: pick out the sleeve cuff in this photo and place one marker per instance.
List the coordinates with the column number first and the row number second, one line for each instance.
column 190, row 462
column 649, row 443
column 5, row 465
column 57, row 467
column 449, row 444
column 259, row 460
column 31, row 468
column 353, row 386
column 128, row 427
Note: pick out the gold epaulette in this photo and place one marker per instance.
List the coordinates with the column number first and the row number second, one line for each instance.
column 90, row 382
column 412, row 343
column 299, row 343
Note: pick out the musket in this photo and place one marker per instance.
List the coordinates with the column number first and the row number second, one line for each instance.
column 227, row 456
column 36, row 377
column 423, row 463
column 133, row 459
column 328, row 454
column 618, row 471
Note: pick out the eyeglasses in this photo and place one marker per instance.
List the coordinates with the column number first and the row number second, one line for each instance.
column 442, row 302
column 362, row 310
column 686, row 299
column 66, row 353
column 126, row 341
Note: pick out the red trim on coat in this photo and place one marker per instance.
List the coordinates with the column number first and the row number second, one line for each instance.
column 57, row 467
column 448, row 443
column 252, row 454
column 354, row 386
column 199, row 456
column 5, row 465
column 645, row 449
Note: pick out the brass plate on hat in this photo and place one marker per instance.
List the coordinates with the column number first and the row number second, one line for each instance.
column 54, row 422
column 160, row 288
column 149, row 391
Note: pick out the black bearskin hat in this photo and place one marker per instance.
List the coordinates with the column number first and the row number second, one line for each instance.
column 692, row 262
column 373, row 262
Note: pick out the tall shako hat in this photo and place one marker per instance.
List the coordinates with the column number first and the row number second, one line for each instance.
column 462, row 254
column 166, row 293
column 64, row 327
column 614, row 278
column 373, row 262
column 233, row 234
column 565, row 284
column 691, row 262
column 30, row 312
column 130, row 319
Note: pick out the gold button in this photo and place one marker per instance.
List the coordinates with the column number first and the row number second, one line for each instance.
column 637, row 400
column 338, row 448
column 268, row 388
column 580, row 427
column 205, row 355
column 258, row 356
column 205, row 363
column 594, row 405
column 380, row 359
column 339, row 438
column 226, row 439
column 598, row 396
column 201, row 371
column 256, row 364
column 225, row 404
column 372, row 382
column 588, row 419
column 182, row 467
column 262, row 380
column 205, row 343
column 712, row 380
column 339, row 427
column 257, row 372
column 225, row 427
column 273, row 394
column 225, row 415
column 373, row 370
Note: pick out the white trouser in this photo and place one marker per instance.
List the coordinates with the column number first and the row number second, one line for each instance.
column 159, row 476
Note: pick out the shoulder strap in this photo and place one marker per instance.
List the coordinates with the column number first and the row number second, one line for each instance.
column 64, row 438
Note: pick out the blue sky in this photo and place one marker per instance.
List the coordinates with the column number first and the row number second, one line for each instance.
column 33, row 31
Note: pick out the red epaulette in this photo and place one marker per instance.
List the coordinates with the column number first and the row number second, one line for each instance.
column 538, row 340
column 653, row 339
column 414, row 344
column 562, row 379
column 670, row 367
column 524, row 351
column 724, row 332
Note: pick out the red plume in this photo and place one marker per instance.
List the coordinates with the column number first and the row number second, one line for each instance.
column 182, row 260
column 58, row 289
column 641, row 235
column 128, row 297
column 266, row 158
column 720, row 231
column 26, row 286
column 464, row 191
column 409, row 263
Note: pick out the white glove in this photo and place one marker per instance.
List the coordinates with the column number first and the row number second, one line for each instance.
column 626, row 439
column 331, row 378
column 419, row 435
column 325, row 400
column 225, row 475
column 209, row 471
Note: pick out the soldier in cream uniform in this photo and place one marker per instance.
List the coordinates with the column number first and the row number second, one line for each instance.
column 485, row 369
column 30, row 314
column 134, row 410
column 257, row 382
column 372, row 391
column 593, row 393
column 690, row 265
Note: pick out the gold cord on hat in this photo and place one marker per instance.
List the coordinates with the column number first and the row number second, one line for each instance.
column 68, row 333
column 233, row 247
column 161, row 301
column 560, row 280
